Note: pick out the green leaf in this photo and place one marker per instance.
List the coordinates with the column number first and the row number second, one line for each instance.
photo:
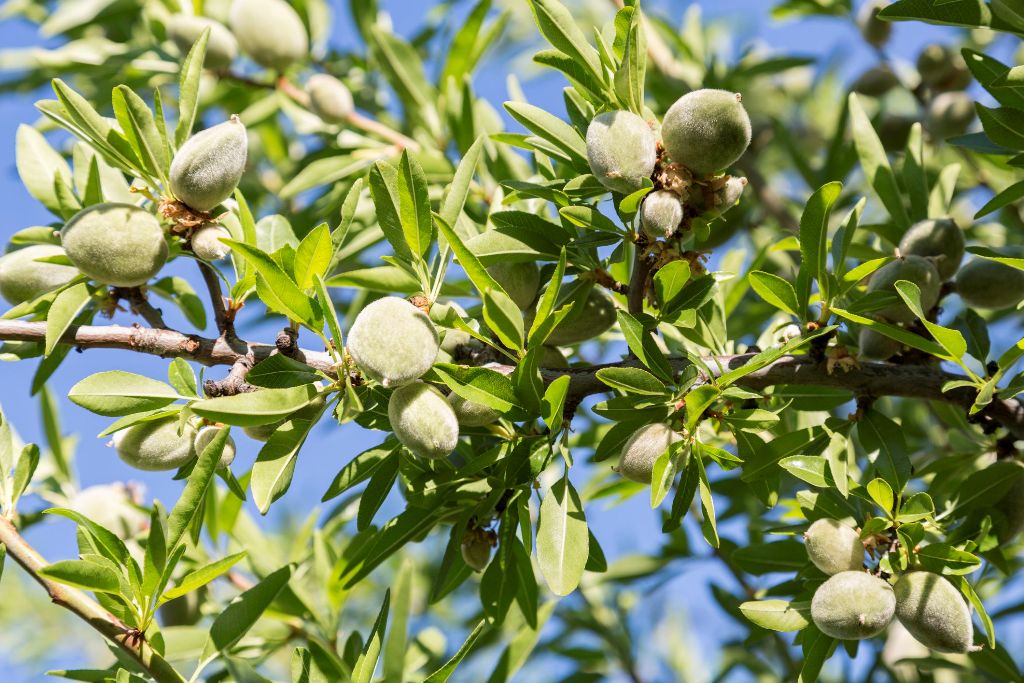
column 504, row 318
column 886, row 446
column 280, row 291
column 775, row 290
column 82, row 574
column 697, row 401
column 876, row 165
column 275, row 464
column 893, row 332
column 814, row 469
column 766, row 558
column 115, row 392
column 360, row 468
column 943, row 558
column 553, row 403
column 458, row 191
column 377, row 490
column 188, row 88
column 967, row 590
column 38, row 164
column 778, row 615
column 279, row 372
column 563, row 137
column 951, row 340
column 62, row 313
column 813, row 237
column 414, row 204
column 1004, row 125
column 190, row 502
column 563, row 543
column 669, row 281
column 313, row 257
column 257, row 407
column 629, row 77
column 444, row 673
column 139, row 126
column 243, row 613
column 518, row 650
column 641, row 343
column 558, row 26
column 882, row 494
column 632, row 381
column 182, row 378
column 200, row 577
column 397, row 642
column 362, row 672
column 915, row 508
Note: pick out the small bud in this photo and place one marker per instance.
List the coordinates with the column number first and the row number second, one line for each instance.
column 207, row 168
column 221, row 47
column 919, row 270
column 115, row 244
column 934, row 612
column 423, row 420
column 595, row 318
column 941, row 239
column 621, row 148
column 706, row 130
column 156, row 446
column 876, row 346
column 641, row 450
column 269, row 31
column 875, row 31
column 23, row 278
column 853, row 605
column 519, row 280
column 206, row 242
column 205, row 436
column 834, row 547
column 983, row 283
column 329, row 98
column 875, row 82
column 660, row 214
column 393, row 342
column 950, row 114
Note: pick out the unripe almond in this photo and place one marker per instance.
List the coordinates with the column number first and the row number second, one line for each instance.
column 949, row 114
column 706, row 130
column 205, row 436
column 112, row 507
column 262, row 432
column 156, row 446
column 853, row 605
column 941, row 239
column 983, row 283
column 207, row 168
column 834, row 547
column 917, row 269
column 519, row 280
column 1012, row 507
column 876, row 346
column 23, row 278
column 476, row 552
column 115, row 244
column 470, row 413
column 641, row 450
column 621, row 148
column 206, row 242
column 595, row 317
column 393, row 342
column 874, row 30
column 894, row 130
column 423, row 420
column 875, row 82
column 934, row 612
column 182, row 611
column 329, row 98
column 269, row 31
column 221, row 47
column 943, row 68
column 660, row 214
column 551, row 357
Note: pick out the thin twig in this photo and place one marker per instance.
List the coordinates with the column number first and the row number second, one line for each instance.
column 225, row 325
column 139, row 305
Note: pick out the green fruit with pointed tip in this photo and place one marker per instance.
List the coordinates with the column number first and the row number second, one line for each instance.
column 874, row 30
column 941, row 239
column 834, row 547
column 622, row 150
column 205, row 436
column 23, row 278
column 112, row 506
column 853, row 605
column 115, row 244
column 393, row 342
column 156, row 446
column 476, row 552
column 917, row 269
column 660, row 214
column 876, row 346
column 934, row 612
column 271, row 32
column 983, row 283
column 423, row 420
column 551, row 357
column 1012, row 507
column 329, row 98
column 950, row 114
column 706, row 130
column 641, row 450
column 221, row 47
column 519, row 280
column 595, row 318
column 470, row 413
column 207, row 168
column 206, row 242
column 875, row 82
column 943, row 68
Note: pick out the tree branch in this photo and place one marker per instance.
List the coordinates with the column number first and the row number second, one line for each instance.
column 225, row 325
column 86, row 608
column 870, row 379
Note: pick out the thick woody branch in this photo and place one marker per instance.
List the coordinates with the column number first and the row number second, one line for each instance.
column 86, row 608
column 870, row 379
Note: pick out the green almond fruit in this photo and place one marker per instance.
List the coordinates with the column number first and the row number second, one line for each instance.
column 875, row 82
column 206, row 242
column 221, row 47
column 934, row 612
column 271, row 32
column 156, row 446
column 950, row 114
column 875, row 31
column 706, row 130
column 983, row 283
column 112, row 506
column 941, row 239
column 329, row 98
column 423, row 420
column 207, row 168
column 660, row 214
column 115, row 244
column 641, row 450
column 942, row 67
column 23, row 278
column 853, row 605
column 470, row 413
column 876, row 346
column 519, row 280
column 894, row 130
column 622, row 150
column 595, row 318
column 262, row 432
column 1012, row 507
column 917, row 269
column 476, row 552
column 393, row 342
column 834, row 547
column 552, row 358
column 205, row 436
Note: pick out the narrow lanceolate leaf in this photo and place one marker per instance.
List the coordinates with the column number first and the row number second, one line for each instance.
column 414, row 205
column 455, row 197
column 876, row 164
column 242, row 614
column 444, row 673
column 313, row 256
column 397, row 641
column 813, row 237
column 886, row 446
column 63, row 311
column 629, row 78
column 558, row 26
column 115, row 392
column 563, row 544
column 38, row 164
column 188, row 90
column 778, row 615
column 82, row 574
column 518, row 651
column 280, row 292
column 202, row 576
column 256, row 407
column 275, row 464
column 140, row 128
column 775, row 290
column 199, row 479
column 363, row 670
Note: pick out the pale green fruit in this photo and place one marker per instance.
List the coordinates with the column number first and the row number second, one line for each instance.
column 939, row 238
column 983, row 283
column 329, row 98
column 182, row 611
column 476, row 552
column 595, row 317
column 205, row 436
column 706, row 130
column 22, row 278
column 943, row 68
column 725, row 197
column 110, row 506
column 207, row 168
column 519, row 280
column 393, row 342
column 876, row 346
column 900, row 645
column 875, row 31
column 206, row 242
column 641, row 450
column 156, row 446
column 875, row 82
column 834, row 547
column 115, row 244
column 660, row 214
column 917, row 269
column 622, row 149
column 221, row 47
column 934, row 612
column 551, row 357
column 471, row 413
column 853, row 605
column 1012, row 507
column 262, row 432
column 950, row 114
column 423, row 420
column 269, row 31
column 894, row 131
